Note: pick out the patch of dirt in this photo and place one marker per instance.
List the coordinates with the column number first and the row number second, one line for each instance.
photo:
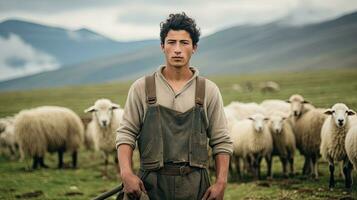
column 305, row 190
column 73, row 193
column 264, row 184
column 347, row 198
column 33, row 194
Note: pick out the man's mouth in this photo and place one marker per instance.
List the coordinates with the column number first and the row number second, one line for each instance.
column 177, row 58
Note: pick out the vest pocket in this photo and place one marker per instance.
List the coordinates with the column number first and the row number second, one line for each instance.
column 199, row 151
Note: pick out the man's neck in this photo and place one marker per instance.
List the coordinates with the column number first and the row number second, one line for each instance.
column 172, row 73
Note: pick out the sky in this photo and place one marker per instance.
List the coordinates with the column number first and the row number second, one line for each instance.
column 126, row 20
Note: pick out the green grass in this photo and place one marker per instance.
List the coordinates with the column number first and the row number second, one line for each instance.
column 322, row 88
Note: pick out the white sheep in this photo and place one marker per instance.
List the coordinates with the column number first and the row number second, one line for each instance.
column 106, row 117
column 273, row 105
column 283, row 140
column 269, row 86
column 244, row 110
column 48, row 128
column 351, row 145
column 333, row 135
column 252, row 141
column 307, row 122
column 7, row 137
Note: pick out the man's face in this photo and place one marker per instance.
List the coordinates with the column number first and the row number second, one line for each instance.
column 178, row 48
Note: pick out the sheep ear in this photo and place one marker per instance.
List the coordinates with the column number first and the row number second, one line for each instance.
column 328, row 112
column 115, row 106
column 90, row 109
column 351, row 112
column 305, row 102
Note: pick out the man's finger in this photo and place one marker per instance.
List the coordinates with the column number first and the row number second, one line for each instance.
column 142, row 187
column 211, row 197
column 207, row 193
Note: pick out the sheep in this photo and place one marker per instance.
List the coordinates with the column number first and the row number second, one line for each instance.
column 269, row 86
column 252, row 141
column 307, row 122
column 244, row 110
column 48, row 128
column 273, row 105
column 351, row 145
column 333, row 135
column 106, row 117
column 283, row 140
column 7, row 137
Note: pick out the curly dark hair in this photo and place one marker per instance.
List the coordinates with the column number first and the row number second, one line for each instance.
column 180, row 21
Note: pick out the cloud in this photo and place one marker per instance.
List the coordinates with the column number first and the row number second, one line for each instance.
column 19, row 59
column 139, row 19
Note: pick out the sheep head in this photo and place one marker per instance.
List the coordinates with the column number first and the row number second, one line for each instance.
column 339, row 113
column 259, row 122
column 297, row 104
column 102, row 111
column 276, row 124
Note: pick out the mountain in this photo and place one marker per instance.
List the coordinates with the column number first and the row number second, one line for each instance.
column 239, row 49
column 56, row 46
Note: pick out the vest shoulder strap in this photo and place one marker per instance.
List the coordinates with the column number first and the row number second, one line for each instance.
column 200, row 90
column 150, row 89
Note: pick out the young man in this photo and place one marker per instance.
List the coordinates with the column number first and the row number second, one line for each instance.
column 171, row 114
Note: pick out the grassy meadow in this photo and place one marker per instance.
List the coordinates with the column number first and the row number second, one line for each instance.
column 322, row 88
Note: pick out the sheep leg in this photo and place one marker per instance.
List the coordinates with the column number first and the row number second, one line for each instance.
column 268, row 160
column 237, row 162
column 291, row 162
column 60, row 159
column 258, row 160
column 314, row 167
column 74, row 159
column 284, row 165
column 42, row 162
column 347, row 169
column 306, row 169
column 105, row 165
column 35, row 162
column 116, row 161
column 332, row 178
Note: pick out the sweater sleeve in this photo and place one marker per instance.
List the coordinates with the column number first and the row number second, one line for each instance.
column 133, row 115
column 219, row 139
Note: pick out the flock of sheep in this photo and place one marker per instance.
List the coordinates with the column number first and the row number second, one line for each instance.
column 278, row 128
column 258, row 131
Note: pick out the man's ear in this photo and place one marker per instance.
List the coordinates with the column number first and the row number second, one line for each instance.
column 194, row 48
column 162, row 47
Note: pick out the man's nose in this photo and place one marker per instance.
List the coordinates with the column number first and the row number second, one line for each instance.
column 177, row 49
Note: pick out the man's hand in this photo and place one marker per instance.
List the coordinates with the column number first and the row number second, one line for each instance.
column 215, row 192
column 133, row 186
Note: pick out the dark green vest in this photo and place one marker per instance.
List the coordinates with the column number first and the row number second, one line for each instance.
column 169, row 136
